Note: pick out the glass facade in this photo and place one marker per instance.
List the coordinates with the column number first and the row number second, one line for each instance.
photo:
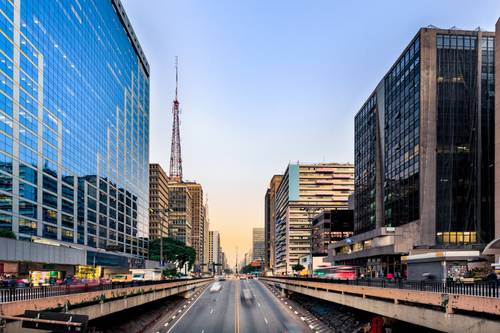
column 465, row 139
column 365, row 126
column 74, row 124
column 401, row 138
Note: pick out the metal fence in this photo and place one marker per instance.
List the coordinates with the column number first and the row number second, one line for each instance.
column 480, row 288
column 29, row 293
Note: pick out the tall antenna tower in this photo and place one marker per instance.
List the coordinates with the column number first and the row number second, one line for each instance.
column 175, row 151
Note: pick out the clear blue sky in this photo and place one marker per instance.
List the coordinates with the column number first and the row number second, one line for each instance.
column 263, row 83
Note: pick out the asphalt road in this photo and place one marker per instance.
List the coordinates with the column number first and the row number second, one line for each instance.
column 226, row 312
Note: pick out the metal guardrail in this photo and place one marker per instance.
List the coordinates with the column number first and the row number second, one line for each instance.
column 482, row 288
column 29, row 293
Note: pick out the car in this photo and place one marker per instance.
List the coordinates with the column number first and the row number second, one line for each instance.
column 243, row 277
column 216, row 287
column 247, row 296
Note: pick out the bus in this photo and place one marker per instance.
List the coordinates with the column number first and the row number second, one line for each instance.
column 340, row 272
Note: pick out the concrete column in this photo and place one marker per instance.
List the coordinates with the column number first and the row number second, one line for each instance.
column 428, row 124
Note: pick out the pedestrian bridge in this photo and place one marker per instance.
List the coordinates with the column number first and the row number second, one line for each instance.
column 93, row 301
column 445, row 307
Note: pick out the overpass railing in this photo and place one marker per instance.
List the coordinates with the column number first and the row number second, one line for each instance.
column 29, row 293
column 480, row 288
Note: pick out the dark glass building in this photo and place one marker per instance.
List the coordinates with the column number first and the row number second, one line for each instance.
column 424, row 154
column 424, row 141
column 330, row 226
column 365, row 166
column 74, row 125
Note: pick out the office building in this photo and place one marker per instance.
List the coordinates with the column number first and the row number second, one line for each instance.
column 198, row 223
column 424, row 152
column 330, row 226
column 74, row 132
column 258, row 242
column 180, row 212
column 206, row 239
column 214, row 258
column 305, row 191
column 158, row 202
column 269, row 223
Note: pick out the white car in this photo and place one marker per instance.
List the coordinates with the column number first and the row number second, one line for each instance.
column 215, row 287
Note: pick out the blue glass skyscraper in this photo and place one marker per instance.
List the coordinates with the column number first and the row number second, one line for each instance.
column 74, row 124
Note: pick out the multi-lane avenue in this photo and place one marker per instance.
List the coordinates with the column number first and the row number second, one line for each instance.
column 225, row 311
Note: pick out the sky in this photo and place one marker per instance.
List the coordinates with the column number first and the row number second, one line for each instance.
column 265, row 83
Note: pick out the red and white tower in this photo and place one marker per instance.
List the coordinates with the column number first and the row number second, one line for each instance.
column 175, row 152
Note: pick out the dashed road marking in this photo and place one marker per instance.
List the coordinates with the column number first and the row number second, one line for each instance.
column 265, row 319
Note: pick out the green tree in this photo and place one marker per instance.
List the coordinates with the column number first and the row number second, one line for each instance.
column 174, row 251
column 297, row 267
column 7, row 234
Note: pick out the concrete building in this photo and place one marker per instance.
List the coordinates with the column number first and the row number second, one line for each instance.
column 258, row 243
column 180, row 215
column 71, row 170
column 206, row 239
column 424, row 153
column 198, row 222
column 304, row 191
column 270, row 219
column 215, row 252
column 158, row 202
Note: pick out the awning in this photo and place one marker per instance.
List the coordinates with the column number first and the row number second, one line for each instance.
column 492, row 248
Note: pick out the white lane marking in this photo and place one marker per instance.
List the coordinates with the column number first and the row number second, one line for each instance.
column 211, row 311
column 302, row 318
column 203, row 331
column 258, row 304
column 265, row 319
column 296, row 312
column 182, row 315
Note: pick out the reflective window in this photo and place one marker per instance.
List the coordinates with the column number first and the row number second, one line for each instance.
column 5, row 202
column 27, row 227
column 49, row 231
column 50, row 215
column 5, row 221
column 5, row 182
column 27, row 209
column 27, row 191
column 49, row 200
